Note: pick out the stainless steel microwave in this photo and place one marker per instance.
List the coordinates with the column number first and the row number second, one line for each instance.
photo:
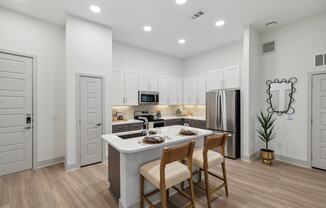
column 148, row 98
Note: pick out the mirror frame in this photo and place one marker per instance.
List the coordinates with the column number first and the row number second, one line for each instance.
column 289, row 109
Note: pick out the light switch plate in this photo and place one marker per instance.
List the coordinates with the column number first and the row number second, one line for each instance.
column 291, row 117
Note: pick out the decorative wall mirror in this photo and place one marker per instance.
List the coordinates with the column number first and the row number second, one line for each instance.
column 280, row 96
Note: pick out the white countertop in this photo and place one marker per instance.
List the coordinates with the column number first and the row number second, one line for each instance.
column 185, row 117
column 129, row 121
column 135, row 145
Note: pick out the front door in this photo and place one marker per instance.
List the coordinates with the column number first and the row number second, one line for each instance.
column 319, row 121
column 91, row 119
column 16, row 137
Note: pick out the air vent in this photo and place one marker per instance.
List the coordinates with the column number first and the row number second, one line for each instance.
column 320, row 60
column 197, row 14
column 269, row 47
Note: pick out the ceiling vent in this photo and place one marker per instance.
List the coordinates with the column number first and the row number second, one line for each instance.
column 197, row 14
column 320, row 60
column 269, row 47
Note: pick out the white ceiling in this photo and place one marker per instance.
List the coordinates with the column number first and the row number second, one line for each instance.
column 171, row 21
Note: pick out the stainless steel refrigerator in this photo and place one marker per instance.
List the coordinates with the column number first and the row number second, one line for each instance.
column 223, row 115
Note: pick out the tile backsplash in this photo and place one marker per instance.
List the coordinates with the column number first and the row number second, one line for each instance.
column 166, row 110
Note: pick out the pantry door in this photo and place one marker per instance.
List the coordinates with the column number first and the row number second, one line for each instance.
column 319, row 121
column 91, row 119
column 16, row 125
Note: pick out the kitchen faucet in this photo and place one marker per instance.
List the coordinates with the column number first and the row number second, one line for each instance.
column 145, row 131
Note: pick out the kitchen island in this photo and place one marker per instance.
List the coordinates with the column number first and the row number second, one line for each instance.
column 126, row 155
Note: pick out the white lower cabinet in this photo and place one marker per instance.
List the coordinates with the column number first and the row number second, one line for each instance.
column 124, row 88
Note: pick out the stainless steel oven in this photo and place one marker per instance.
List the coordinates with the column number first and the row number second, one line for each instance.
column 149, row 98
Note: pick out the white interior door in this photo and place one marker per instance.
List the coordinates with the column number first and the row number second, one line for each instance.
column 16, row 137
column 319, row 121
column 91, row 108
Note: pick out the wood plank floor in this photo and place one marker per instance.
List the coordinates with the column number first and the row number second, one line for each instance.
column 252, row 185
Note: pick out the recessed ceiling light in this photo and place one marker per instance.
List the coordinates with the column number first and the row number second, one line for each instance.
column 219, row 23
column 181, row 41
column 147, row 28
column 180, row 1
column 95, row 9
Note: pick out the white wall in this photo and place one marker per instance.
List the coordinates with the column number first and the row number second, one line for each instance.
column 249, row 91
column 88, row 50
column 136, row 59
column 295, row 45
column 228, row 55
column 28, row 35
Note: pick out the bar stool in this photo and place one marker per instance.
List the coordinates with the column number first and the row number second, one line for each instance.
column 207, row 158
column 167, row 173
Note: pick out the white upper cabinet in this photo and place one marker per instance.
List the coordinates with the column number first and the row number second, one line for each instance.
column 125, row 88
column 179, row 91
column 201, row 90
column 193, row 90
column 186, row 91
column 231, row 77
column 172, row 91
column 118, row 96
column 215, row 80
column 147, row 82
column 226, row 78
column 163, row 90
column 131, row 88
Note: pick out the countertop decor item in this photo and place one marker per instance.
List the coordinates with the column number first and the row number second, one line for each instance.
column 153, row 140
column 188, row 132
column 280, row 96
column 178, row 112
column 266, row 134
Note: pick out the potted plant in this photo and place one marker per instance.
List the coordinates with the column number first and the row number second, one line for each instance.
column 266, row 134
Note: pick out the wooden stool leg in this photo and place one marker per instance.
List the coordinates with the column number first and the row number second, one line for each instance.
column 207, row 189
column 199, row 174
column 225, row 180
column 163, row 198
column 142, row 181
column 168, row 194
column 191, row 185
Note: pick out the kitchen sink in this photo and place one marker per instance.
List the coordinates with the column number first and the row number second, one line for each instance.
column 130, row 136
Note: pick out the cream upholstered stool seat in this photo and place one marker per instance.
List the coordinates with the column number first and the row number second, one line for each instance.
column 213, row 158
column 167, row 173
column 175, row 173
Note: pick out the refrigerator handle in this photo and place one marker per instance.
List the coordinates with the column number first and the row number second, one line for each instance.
column 219, row 111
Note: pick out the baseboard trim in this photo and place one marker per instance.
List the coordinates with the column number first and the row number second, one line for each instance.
column 251, row 157
column 49, row 162
column 290, row 160
column 293, row 161
column 71, row 167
